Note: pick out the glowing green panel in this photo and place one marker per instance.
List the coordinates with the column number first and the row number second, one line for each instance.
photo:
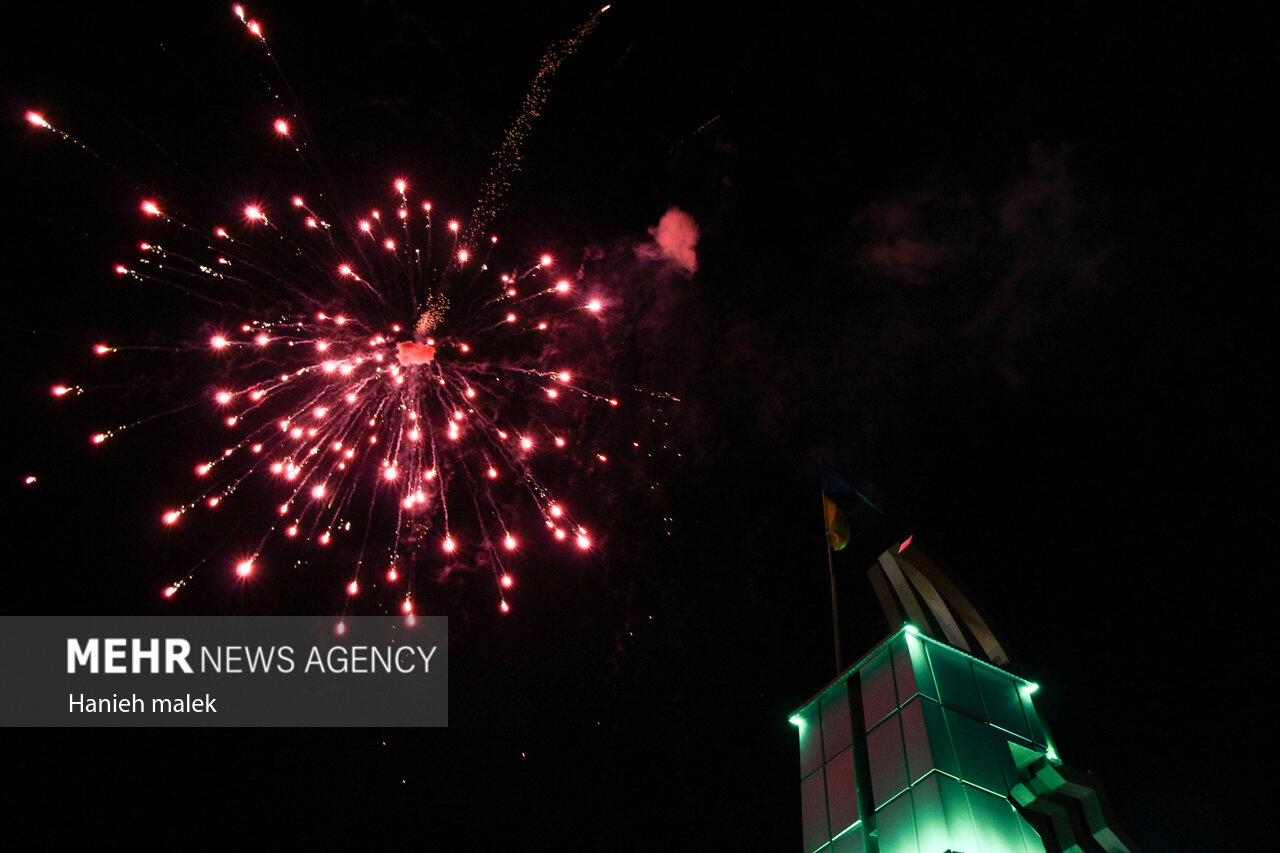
column 915, row 664
column 999, row 826
column 842, row 794
column 944, row 754
column 1024, row 753
column 837, row 731
column 810, row 732
column 1006, row 757
column 954, row 675
column 1033, row 719
column 1030, row 838
column 850, row 842
column 887, row 760
column 896, row 825
column 977, row 748
column 932, row 832
column 879, row 698
column 1004, row 705
column 915, row 739
column 813, row 812
column 955, row 807
column 903, row 673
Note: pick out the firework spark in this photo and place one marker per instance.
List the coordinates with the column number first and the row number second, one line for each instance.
column 393, row 386
column 506, row 162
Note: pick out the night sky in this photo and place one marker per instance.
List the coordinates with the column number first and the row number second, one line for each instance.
column 1008, row 268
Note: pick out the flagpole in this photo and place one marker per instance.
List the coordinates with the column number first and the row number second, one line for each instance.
column 831, row 572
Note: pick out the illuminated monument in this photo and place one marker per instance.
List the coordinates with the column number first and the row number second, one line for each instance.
column 926, row 745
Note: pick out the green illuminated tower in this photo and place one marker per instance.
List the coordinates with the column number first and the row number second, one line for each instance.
column 924, row 747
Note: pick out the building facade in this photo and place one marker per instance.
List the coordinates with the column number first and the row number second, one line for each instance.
column 922, row 746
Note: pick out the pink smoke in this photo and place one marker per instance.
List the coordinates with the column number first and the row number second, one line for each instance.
column 411, row 353
column 675, row 239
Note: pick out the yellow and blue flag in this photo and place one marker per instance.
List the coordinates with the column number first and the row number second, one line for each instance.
column 835, row 492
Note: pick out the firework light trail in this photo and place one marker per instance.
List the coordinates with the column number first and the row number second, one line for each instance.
column 395, row 388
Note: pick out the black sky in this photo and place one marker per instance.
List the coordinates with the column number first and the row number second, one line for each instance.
column 1008, row 267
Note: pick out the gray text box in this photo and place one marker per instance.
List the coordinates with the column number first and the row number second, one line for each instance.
column 223, row 671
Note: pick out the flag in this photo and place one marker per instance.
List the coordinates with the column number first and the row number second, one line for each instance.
column 837, row 524
column 837, row 496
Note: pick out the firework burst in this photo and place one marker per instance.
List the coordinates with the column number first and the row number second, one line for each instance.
column 397, row 390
